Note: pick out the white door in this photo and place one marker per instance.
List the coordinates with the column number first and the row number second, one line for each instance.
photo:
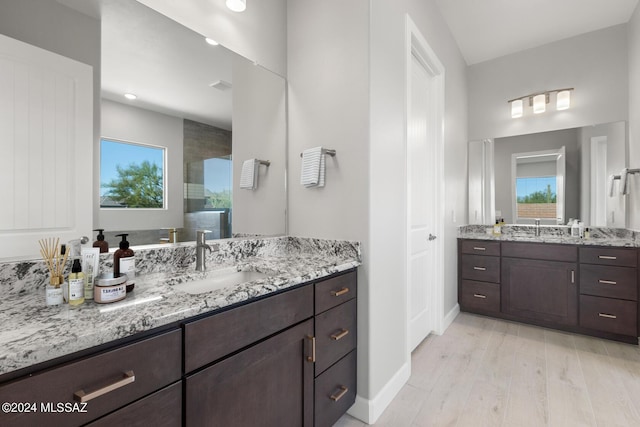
column 422, row 200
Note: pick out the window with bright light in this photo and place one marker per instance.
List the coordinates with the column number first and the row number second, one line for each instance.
column 132, row 175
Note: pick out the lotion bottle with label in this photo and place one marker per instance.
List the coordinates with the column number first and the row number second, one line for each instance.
column 124, row 262
column 76, row 283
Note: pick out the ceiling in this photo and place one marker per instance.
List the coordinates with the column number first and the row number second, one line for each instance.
column 167, row 66
column 488, row 29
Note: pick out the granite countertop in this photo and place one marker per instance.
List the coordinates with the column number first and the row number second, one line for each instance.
column 33, row 332
column 599, row 236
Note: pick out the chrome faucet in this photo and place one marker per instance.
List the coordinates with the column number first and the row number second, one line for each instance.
column 537, row 227
column 201, row 248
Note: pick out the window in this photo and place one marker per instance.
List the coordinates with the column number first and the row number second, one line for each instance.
column 131, row 175
column 217, row 183
column 536, row 197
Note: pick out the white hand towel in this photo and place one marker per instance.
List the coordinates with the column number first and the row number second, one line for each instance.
column 249, row 175
column 313, row 168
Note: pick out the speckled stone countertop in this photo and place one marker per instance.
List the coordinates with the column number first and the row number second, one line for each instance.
column 600, row 236
column 33, row 332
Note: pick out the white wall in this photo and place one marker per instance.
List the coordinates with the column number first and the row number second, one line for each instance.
column 595, row 64
column 131, row 124
column 633, row 200
column 346, row 70
column 259, row 33
column 259, row 132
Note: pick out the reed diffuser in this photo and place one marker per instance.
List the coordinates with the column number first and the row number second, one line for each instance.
column 55, row 256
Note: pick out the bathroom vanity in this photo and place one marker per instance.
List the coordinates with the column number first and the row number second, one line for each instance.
column 285, row 355
column 573, row 285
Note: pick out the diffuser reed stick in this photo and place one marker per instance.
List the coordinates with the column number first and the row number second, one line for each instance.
column 55, row 256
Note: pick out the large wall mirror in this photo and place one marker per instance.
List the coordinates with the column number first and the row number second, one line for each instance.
column 564, row 174
column 210, row 108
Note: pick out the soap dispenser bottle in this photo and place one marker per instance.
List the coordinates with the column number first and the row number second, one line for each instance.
column 124, row 262
column 100, row 242
column 76, row 283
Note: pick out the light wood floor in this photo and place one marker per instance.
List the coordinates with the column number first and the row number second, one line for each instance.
column 489, row 372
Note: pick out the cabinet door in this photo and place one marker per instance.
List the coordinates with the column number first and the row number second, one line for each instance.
column 540, row 290
column 269, row 384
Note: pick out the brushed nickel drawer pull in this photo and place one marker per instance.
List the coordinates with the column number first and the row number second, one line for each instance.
column 608, row 316
column 82, row 396
column 340, row 292
column 607, row 282
column 573, row 276
column 312, row 358
column 340, row 394
column 479, row 296
column 480, row 268
column 607, row 257
column 340, row 335
column 478, row 248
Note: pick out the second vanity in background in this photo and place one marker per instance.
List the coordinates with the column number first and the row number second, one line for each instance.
column 585, row 288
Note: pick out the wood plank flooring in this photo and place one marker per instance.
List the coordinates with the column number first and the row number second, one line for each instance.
column 490, row 372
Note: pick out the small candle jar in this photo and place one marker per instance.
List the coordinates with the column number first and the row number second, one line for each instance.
column 109, row 288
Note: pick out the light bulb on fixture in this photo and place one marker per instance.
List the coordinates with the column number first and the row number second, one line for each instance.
column 212, row 42
column 517, row 108
column 237, row 5
column 130, row 96
column 539, row 103
column 563, row 100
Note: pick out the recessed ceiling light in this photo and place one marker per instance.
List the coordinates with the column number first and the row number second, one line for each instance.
column 212, row 42
column 130, row 96
column 237, row 5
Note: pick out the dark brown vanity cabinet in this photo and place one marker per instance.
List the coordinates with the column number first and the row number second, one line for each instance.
column 268, row 384
column 479, row 284
column 609, row 290
column 540, row 282
column 287, row 359
column 585, row 289
column 105, row 382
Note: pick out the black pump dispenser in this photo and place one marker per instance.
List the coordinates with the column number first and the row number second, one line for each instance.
column 124, row 262
column 100, row 242
column 77, row 267
column 124, row 243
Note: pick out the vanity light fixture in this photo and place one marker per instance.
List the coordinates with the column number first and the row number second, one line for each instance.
column 538, row 101
column 517, row 108
column 130, row 96
column 237, row 5
column 212, row 42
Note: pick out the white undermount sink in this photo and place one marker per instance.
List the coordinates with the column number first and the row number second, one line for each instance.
column 218, row 279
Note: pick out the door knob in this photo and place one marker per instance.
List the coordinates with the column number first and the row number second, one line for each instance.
column 431, row 237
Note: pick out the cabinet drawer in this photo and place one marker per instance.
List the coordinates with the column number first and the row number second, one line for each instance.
column 609, row 256
column 151, row 364
column 541, row 251
column 480, row 296
column 482, row 268
column 335, row 334
column 161, row 409
column 609, row 315
column 334, row 291
column 612, row 282
column 480, row 247
column 214, row 337
column 335, row 391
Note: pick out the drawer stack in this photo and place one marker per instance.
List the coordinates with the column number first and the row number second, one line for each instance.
column 609, row 290
column 480, row 272
column 335, row 367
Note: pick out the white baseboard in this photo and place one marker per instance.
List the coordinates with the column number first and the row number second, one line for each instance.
column 450, row 317
column 370, row 410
